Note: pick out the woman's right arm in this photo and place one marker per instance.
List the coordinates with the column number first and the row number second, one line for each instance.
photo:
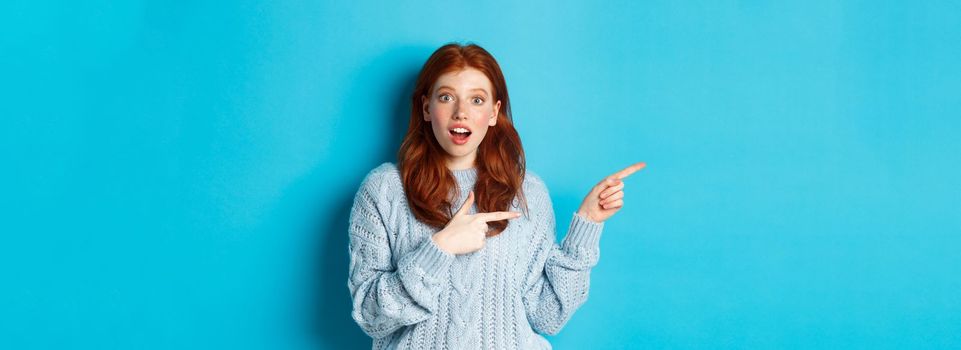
column 387, row 297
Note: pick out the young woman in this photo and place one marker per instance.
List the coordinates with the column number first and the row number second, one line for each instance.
column 441, row 255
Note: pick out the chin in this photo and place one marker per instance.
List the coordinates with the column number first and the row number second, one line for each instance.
column 460, row 151
column 460, row 154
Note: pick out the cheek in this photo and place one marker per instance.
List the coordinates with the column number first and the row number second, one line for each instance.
column 482, row 120
column 481, row 128
column 440, row 129
column 438, row 118
column 439, row 110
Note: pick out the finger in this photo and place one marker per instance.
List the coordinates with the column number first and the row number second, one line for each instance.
column 466, row 206
column 604, row 184
column 498, row 215
column 611, row 190
column 620, row 175
column 617, row 195
column 616, row 204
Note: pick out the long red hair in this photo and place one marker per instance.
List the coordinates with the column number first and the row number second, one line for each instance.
column 500, row 163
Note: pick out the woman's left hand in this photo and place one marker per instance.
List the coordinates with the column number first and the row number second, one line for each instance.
column 607, row 197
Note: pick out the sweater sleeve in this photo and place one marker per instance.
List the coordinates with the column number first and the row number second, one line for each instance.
column 387, row 296
column 560, row 274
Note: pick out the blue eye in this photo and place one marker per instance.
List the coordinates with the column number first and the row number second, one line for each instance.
column 478, row 100
column 445, row 98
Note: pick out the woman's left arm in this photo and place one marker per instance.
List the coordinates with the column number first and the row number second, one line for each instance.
column 559, row 283
column 558, row 289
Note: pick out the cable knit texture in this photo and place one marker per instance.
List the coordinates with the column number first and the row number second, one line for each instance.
column 409, row 294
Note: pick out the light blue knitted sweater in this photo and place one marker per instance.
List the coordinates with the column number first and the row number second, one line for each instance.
column 409, row 294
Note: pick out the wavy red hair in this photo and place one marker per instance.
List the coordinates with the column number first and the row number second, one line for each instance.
column 500, row 162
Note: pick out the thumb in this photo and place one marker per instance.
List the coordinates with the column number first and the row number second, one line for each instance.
column 467, row 204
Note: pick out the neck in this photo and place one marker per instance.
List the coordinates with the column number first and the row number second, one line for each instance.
column 461, row 163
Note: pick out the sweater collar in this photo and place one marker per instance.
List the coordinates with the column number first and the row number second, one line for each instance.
column 465, row 177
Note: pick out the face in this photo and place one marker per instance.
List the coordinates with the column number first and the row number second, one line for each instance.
column 460, row 109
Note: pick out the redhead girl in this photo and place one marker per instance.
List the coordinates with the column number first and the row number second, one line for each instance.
column 454, row 246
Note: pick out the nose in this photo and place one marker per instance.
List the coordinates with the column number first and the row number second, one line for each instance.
column 460, row 112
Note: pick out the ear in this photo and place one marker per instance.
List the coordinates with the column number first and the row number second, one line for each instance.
column 497, row 110
column 425, row 103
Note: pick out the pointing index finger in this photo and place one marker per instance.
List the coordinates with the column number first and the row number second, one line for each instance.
column 467, row 203
column 498, row 215
column 624, row 173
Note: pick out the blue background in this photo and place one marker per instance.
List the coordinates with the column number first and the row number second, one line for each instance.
column 178, row 175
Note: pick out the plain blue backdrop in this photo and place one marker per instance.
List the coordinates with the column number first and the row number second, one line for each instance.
column 178, row 174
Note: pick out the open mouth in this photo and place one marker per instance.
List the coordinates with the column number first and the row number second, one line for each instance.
column 459, row 135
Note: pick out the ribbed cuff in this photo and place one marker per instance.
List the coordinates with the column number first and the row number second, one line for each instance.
column 430, row 258
column 584, row 233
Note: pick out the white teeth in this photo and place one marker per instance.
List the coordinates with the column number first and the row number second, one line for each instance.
column 460, row 130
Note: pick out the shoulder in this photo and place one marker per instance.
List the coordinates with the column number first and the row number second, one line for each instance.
column 382, row 180
column 540, row 209
column 534, row 182
column 535, row 189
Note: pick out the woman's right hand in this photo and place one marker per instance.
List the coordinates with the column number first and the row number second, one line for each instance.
column 466, row 233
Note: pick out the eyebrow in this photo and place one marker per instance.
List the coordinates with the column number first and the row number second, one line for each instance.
column 450, row 88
